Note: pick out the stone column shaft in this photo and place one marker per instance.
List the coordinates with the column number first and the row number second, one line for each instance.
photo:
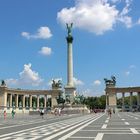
column 38, row 101
column 11, row 100
column 131, row 102
column 23, row 101
column 45, row 99
column 138, row 99
column 70, row 65
column 16, row 100
column 106, row 101
column 123, row 105
column 30, row 101
column 5, row 100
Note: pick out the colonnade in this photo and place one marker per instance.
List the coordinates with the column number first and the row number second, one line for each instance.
column 111, row 97
column 25, row 101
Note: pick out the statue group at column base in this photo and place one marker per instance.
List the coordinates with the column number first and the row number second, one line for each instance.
column 69, row 106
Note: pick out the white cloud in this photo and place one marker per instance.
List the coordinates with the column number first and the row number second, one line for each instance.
column 26, row 35
column 114, row 1
column 77, row 81
column 86, row 92
column 97, row 82
column 42, row 33
column 132, row 66
column 12, row 81
column 97, row 16
column 124, row 18
column 127, row 73
column 138, row 22
column 45, row 51
column 26, row 77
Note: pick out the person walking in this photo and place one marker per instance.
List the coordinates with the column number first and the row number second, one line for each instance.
column 42, row 113
column 5, row 114
column 59, row 111
column 13, row 113
column 109, row 112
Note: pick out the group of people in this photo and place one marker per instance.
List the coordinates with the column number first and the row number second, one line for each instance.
column 109, row 111
column 57, row 111
column 12, row 112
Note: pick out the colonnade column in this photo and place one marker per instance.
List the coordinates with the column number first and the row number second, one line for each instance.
column 30, row 96
column 23, row 102
column 138, row 100
column 5, row 100
column 131, row 94
column 45, row 99
column 123, row 105
column 26, row 102
column 16, row 101
column 11, row 101
column 37, row 101
column 106, row 101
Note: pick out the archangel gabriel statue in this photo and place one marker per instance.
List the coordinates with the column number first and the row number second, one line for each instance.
column 69, row 28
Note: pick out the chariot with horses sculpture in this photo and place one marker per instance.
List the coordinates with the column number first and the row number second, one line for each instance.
column 110, row 82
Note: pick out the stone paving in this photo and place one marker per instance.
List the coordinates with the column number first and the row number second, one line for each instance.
column 122, row 126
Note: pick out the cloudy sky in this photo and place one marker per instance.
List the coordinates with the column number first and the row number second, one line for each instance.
column 33, row 48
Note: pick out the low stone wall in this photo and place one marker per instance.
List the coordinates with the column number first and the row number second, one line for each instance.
column 75, row 109
column 36, row 112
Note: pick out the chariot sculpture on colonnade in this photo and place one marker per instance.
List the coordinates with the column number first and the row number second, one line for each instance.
column 23, row 100
column 110, row 82
column 111, row 95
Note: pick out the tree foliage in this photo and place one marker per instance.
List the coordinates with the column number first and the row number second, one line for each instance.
column 96, row 102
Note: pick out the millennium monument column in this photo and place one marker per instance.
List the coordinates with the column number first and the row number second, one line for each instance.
column 69, row 88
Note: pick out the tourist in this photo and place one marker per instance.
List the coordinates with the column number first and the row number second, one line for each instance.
column 5, row 114
column 114, row 111
column 109, row 112
column 13, row 113
column 59, row 111
column 42, row 113
column 55, row 111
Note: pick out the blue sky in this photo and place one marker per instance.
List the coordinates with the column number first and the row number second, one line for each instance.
column 34, row 49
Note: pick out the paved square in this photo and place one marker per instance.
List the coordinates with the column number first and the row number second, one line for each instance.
column 122, row 126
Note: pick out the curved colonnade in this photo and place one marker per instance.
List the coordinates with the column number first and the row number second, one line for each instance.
column 22, row 100
column 111, row 96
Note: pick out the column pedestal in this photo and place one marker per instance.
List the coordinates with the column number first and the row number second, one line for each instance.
column 70, row 93
column 112, row 100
